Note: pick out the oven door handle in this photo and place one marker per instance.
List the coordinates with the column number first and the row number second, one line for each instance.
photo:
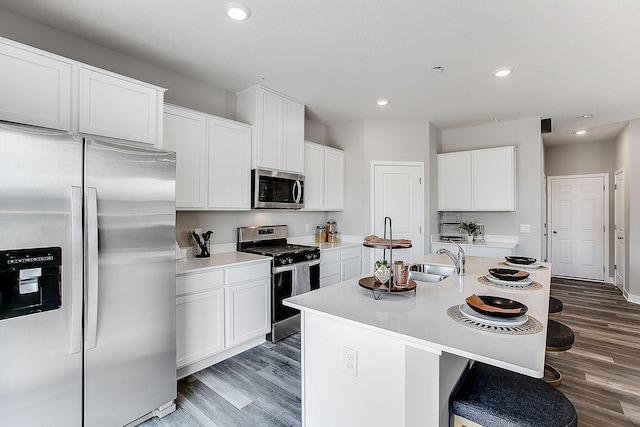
column 290, row 267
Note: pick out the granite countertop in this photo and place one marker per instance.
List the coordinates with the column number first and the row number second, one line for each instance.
column 200, row 265
column 421, row 319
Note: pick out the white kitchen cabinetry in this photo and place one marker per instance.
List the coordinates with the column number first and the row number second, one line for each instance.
column 199, row 316
column 221, row 312
column 36, row 89
column 47, row 90
column 278, row 139
column 213, row 168
column 247, row 303
column 475, row 249
column 323, row 178
column 340, row 264
column 477, row 180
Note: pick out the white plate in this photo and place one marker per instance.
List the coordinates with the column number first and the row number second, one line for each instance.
column 512, row 264
column 494, row 279
column 471, row 314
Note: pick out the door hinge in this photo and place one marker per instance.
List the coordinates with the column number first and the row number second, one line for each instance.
column 615, row 186
column 615, row 267
column 420, row 180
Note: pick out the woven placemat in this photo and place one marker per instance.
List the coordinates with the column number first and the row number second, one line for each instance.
column 528, row 287
column 524, row 267
column 530, row 327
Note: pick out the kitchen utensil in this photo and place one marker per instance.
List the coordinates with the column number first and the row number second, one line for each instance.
column 508, row 274
column 203, row 252
column 496, row 306
column 524, row 260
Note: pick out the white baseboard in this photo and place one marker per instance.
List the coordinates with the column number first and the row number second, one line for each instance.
column 631, row 297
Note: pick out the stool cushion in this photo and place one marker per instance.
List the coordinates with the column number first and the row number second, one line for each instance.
column 559, row 336
column 555, row 305
column 492, row 396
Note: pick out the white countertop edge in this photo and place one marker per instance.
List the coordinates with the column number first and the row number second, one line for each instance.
column 490, row 241
column 192, row 265
column 430, row 347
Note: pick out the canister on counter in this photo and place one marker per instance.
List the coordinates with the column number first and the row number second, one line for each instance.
column 321, row 233
column 332, row 237
column 331, row 226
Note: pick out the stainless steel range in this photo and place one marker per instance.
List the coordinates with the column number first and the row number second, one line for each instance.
column 295, row 269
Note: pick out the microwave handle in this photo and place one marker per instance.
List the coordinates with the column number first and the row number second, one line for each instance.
column 297, row 194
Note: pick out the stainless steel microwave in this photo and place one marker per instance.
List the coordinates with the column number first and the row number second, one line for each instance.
column 276, row 190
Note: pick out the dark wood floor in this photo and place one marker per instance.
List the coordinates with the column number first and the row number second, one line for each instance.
column 602, row 370
column 261, row 387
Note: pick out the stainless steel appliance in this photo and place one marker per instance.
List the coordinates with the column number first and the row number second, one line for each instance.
column 87, row 280
column 295, row 269
column 276, row 190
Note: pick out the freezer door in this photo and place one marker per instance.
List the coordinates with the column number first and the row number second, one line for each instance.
column 130, row 354
column 41, row 210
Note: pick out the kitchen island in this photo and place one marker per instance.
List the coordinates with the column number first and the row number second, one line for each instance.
column 394, row 361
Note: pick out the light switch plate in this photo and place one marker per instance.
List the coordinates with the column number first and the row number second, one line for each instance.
column 525, row 228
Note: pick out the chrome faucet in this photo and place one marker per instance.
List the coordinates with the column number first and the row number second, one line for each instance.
column 459, row 261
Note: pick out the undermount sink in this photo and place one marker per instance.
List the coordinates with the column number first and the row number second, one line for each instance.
column 430, row 272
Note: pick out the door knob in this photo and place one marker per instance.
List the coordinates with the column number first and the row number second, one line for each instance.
column 555, row 232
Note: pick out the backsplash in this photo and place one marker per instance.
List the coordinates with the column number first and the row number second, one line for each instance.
column 224, row 224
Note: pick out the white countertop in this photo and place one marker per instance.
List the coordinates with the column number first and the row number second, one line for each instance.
column 337, row 245
column 490, row 241
column 200, row 265
column 420, row 319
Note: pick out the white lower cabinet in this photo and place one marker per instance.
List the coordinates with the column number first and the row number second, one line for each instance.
column 200, row 326
column 340, row 264
column 247, row 311
column 221, row 312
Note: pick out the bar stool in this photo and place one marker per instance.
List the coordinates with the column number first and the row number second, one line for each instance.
column 559, row 338
column 555, row 306
column 491, row 396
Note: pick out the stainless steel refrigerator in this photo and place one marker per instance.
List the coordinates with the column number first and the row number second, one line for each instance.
column 87, row 280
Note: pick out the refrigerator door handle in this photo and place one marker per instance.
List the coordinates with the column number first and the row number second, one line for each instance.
column 75, row 327
column 92, row 269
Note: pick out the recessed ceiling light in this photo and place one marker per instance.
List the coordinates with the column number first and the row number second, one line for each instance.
column 503, row 72
column 382, row 102
column 437, row 70
column 237, row 11
column 581, row 132
column 586, row 116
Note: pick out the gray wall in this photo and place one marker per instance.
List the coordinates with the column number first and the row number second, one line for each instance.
column 525, row 135
column 627, row 153
column 588, row 158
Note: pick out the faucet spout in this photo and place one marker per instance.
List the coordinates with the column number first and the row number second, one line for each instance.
column 459, row 261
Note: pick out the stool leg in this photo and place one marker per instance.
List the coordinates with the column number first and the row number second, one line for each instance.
column 551, row 375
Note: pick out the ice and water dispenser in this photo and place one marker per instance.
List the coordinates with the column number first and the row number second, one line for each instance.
column 30, row 281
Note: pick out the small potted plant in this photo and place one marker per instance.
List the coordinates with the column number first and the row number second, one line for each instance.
column 470, row 227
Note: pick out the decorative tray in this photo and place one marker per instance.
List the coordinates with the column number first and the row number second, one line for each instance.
column 382, row 246
column 372, row 284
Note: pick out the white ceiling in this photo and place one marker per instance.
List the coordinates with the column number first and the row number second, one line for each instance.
column 571, row 57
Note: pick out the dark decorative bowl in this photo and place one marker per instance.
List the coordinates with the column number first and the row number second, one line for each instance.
column 509, row 274
column 524, row 260
column 499, row 302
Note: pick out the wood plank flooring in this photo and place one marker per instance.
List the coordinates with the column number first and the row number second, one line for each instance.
column 259, row 387
column 601, row 372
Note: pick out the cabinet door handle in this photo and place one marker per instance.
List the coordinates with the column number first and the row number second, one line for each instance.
column 555, row 232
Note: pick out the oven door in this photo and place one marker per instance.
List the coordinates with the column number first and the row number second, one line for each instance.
column 282, row 288
column 276, row 190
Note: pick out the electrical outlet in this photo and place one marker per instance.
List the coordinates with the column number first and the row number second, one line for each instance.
column 350, row 361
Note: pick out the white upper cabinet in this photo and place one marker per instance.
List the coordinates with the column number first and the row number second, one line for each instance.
column 37, row 88
column 477, row 180
column 213, row 166
column 278, row 138
column 229, row 164
column 185, row 132
column 117, row 108
column 323, row 178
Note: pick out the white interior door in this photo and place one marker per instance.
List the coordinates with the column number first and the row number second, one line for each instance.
column 619, row 233
column 398, row 193
column 577, row 226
